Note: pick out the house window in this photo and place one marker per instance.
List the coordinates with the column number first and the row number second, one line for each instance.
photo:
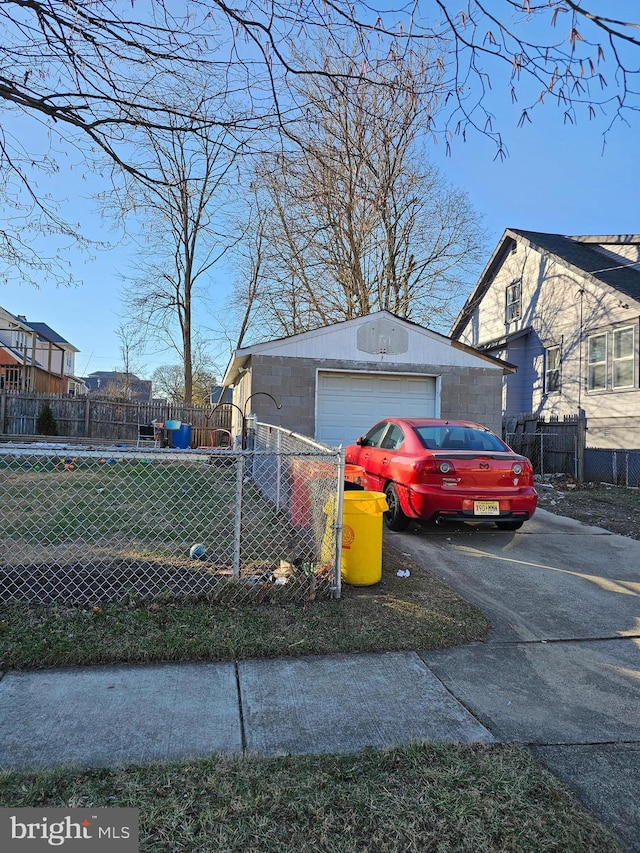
column 623, row 357
column 597, row 363
column 552, row 370
column 514, row 298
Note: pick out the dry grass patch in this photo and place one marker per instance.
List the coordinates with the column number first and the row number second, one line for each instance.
column 419, row 798
column 419, row 612
column 611, row 507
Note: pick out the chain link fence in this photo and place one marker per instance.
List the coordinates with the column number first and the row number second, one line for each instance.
column 92, row 525
column 558, row 453
column 549, row 452
column 619, row 467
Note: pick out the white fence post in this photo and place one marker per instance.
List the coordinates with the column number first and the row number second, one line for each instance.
column 279, row 471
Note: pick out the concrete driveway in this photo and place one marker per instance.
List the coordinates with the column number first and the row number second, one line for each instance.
column 560, row 671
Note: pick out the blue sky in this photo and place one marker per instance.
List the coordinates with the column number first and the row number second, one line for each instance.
column 561, row 179
column 557, row 178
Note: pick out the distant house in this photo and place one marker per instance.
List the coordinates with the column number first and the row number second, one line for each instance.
column 34, row 357
column 566, row 312
column 116, row 383
column 335, row 382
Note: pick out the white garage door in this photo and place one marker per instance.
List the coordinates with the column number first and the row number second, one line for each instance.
column 348, row 404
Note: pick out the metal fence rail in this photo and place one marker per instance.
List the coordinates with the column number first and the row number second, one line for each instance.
column 89, row 525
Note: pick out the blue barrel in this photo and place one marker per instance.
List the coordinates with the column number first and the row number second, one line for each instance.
column 181, row 438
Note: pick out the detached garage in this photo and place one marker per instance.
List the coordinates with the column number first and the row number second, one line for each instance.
column 335, row 382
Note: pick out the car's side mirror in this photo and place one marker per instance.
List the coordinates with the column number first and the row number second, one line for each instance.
column 362, row 441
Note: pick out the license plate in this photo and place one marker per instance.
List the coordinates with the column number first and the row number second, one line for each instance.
column 486, row 508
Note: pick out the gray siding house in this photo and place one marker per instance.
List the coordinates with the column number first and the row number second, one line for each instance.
column 115, row 383
column 565, row 311
column 335, row 382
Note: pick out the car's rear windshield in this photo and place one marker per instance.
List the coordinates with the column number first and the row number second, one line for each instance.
column 459, row 438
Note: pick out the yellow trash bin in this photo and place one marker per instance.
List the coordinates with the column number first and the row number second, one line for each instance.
column 362, row 537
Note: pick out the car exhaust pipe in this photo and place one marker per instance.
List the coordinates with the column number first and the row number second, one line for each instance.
column 439, row 520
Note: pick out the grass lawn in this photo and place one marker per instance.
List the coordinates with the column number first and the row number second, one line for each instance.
column 426, row 797
column 96, row 529
column 422, row 797
column 419, row 612
column 130, row 507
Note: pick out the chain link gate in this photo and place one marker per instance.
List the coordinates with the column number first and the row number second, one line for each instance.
column 94, row 525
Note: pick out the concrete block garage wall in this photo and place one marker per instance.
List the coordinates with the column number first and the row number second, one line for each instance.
column 292, row 381
column 474, row 394
column 465, row 392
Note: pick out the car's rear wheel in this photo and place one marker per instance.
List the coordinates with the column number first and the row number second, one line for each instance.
column 394, row 517
column 509, row 525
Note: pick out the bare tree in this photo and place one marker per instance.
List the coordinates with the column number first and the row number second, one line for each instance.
column 353, row 219
column 131, row 345
column 93, row 74
column 87, row 66
column 181, row 214
column 168, row 382
column 565, row 52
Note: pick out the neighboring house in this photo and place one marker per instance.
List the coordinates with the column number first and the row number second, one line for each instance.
column 34, row 357
column 335, row 382
column 114, row 383
column 565, row 311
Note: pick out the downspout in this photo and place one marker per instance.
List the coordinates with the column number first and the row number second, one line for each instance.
column 581, row 293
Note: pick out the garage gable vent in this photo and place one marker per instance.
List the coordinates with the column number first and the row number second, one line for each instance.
column 382, row 337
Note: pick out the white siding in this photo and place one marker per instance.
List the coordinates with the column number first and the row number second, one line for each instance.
column 562, row 308
column 346, row 339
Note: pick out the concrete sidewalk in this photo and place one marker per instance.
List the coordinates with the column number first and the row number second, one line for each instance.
column 119, row 715
column 116, row 715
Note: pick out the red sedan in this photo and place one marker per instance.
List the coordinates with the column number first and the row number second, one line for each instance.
column 439, row 470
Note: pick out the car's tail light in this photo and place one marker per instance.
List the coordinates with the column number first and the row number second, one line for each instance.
column 433, row 467
column 425, row 467
column 523, row 469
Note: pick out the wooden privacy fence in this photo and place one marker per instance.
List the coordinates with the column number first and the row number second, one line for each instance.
column 109, row 420
column 554, row 446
